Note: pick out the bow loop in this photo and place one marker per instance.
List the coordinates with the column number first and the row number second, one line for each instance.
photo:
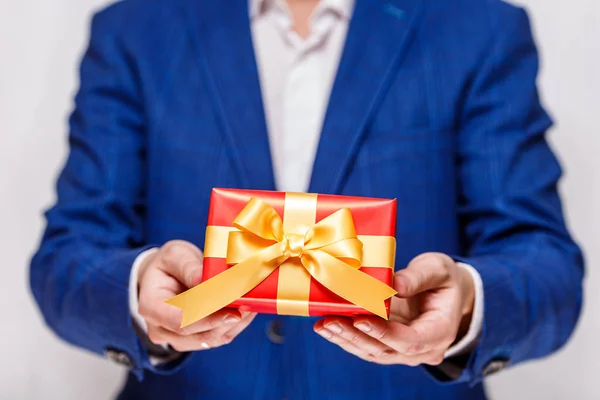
column 261, row 219
column 334, row 228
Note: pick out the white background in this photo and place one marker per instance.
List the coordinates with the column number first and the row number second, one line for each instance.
column 40, row 46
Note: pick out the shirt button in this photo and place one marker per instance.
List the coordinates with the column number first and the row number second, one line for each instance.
column 274, row 332
column 119, row 357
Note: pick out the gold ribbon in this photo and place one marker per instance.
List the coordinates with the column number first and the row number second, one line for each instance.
column 329, row 251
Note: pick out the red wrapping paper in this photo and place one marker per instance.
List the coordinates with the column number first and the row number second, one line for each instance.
column 376, row 217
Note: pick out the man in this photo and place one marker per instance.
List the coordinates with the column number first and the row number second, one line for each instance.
column 432, row 103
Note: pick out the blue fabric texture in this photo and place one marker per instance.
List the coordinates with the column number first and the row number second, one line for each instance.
column 435, row 104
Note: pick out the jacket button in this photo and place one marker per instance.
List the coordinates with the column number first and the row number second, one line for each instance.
column 494, row 366
column 274, row 332
column 119, row 357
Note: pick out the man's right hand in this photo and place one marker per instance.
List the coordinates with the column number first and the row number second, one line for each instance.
column 174, row 268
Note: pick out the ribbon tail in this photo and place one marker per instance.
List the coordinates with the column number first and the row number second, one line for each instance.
column 221, row 290
column 349, row 283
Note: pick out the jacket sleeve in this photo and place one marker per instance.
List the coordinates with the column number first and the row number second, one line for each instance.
column 80, row 274
column 513, row 228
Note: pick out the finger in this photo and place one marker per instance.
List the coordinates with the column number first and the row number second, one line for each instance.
column 409, row 340
column 371, row 346
column 158, row 283
column 193, row 248
column 344, row 344
column 385, row 359
column 426, row 272
column 183, row 261
column 161, row 336
column 399, row 337
column 159, row 286
column 238, row 328
column 223, row 335
column 198, row 341
column 181, row 343
column 156, row 288
column 222, row 319
column 154, row 310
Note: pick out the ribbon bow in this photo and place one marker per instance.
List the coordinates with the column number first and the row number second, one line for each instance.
column 329, row 251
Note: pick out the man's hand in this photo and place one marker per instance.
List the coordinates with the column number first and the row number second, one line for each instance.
column 432, row 310
column 176, row 267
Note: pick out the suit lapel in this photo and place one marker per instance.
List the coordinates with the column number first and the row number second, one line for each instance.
column 222, row 34
column 377, row 35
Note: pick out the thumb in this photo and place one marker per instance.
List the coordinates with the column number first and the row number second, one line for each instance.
column 424, row 273
column 183, row 261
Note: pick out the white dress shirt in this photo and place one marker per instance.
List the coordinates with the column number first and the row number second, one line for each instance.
column 296, row 76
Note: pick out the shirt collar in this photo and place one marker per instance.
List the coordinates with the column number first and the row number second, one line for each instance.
column 342, row 7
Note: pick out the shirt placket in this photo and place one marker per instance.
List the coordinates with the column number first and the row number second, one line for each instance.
column 304, row 99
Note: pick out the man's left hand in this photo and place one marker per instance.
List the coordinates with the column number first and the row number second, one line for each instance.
column 431, row 311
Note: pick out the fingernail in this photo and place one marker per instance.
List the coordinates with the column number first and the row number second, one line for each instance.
column 325, row 333
column 204, row 345
column 363, row 326
column 335, row 328
column 230, row 319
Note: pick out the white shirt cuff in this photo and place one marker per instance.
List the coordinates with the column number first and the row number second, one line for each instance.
column 133, row 305
column 471, row 339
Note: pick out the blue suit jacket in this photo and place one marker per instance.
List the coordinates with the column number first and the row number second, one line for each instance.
column 434, row 104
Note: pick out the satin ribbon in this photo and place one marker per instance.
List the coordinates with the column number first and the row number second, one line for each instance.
column 328, row 250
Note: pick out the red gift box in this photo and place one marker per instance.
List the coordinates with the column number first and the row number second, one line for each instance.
column 290, row 288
